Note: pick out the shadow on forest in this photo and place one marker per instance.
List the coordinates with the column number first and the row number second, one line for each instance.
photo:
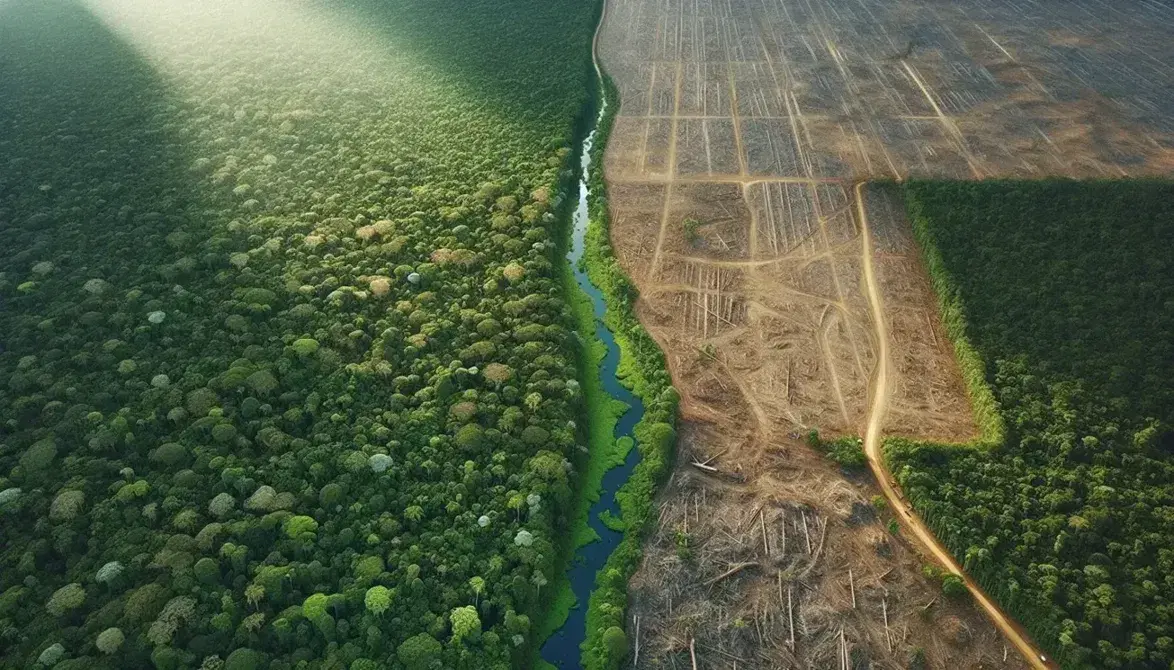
column 91, row 179
column 90, row 183
column 499, row 65
column 86, row 150
column 1051, row 275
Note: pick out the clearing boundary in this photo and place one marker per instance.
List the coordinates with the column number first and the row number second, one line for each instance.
column 872, row 449
column 755, row 120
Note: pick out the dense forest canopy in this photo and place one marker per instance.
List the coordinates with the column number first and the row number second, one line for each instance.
column 1067, row 295
column 285, row 373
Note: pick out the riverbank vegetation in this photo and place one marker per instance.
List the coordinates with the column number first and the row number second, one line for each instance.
column 1060, row 294
column 602, row 452
column 601, row 412
column 643, row 369
column 286, row 371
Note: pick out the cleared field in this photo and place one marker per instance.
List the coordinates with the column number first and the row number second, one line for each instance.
column 742, row 128
column 872, row 89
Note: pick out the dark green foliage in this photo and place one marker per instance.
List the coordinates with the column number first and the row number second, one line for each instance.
column 419, row 652
column 616, row 642
column 38, row 456
column 243, row 659
column 207, row 570
column 1073, row 276
column 247, row 247
column 848, row 451
column 172, row 454
column 166, row 658
column 1061, row 292
column 330, row 495
column 953, row 586
column 469, row 436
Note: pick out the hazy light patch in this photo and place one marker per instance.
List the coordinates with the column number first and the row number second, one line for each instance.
column 306, row 70
column 254, row 46
column 284, row 110
column 298, row 37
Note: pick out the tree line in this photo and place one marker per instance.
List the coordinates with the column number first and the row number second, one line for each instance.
column 1062, row 291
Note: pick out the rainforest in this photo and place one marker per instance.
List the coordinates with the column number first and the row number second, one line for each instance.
column 586, row 335
column 288, row 373
column 1062, row 292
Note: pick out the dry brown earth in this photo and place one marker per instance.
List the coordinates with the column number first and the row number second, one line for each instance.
column 754, row 117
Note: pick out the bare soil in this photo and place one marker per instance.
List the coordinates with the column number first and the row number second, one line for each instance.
column 756, row 119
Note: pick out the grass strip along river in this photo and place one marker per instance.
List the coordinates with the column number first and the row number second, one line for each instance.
column 562, row 649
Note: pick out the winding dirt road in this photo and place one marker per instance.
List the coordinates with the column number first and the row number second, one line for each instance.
column 872, row 449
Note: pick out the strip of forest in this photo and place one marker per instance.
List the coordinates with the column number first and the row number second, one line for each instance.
column 1062, row 294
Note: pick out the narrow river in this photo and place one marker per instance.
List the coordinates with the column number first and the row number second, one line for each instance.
column 562, row 648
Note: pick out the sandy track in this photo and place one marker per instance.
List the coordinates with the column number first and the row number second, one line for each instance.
column 757, row 117
column 872, row 448
column 791, row 347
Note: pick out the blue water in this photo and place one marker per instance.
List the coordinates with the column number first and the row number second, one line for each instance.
column 562, row 648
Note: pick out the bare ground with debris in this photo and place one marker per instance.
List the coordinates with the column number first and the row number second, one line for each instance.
column 766, row 554
column 751, row 120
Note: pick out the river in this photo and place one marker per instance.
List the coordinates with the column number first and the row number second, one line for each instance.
column 562, row 648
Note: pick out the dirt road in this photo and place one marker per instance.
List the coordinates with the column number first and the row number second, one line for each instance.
column 872, row 448
column 742, row 130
